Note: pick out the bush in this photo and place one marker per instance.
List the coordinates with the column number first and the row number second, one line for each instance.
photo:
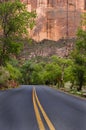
column 4, row 76
column 15, row 73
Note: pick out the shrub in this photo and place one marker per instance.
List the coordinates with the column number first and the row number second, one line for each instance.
column 15, row 73
column 4, row 76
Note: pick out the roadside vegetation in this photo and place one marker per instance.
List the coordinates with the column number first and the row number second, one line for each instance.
column 61, row 73
column 65, row 73
column 15, row 21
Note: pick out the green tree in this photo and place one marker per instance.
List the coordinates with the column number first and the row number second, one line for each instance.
column 79, row 58
column 69, row 75
column 53, row 73
column 37, row 74
column 15, row 21
column 79, row 68
column 26, row 70
column 63, row 63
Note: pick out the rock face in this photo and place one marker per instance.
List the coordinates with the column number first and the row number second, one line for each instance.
column 56, row 18
column 46, row 48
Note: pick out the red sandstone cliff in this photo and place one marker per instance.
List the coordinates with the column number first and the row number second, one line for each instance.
column 56, row 18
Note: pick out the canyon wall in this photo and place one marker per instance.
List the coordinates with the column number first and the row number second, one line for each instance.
column 56, row 18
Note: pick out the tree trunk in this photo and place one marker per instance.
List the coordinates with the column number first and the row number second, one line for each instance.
column 72, row 85
column 80, row 85
column 81, row 80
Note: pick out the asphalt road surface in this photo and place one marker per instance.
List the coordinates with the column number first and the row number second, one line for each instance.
column 41, row 108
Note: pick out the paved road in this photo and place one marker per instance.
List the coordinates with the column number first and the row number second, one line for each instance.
column 18, row 109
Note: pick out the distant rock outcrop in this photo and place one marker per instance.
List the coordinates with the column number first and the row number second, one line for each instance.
column 47, row 48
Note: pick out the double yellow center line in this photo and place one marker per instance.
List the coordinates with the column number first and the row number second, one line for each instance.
column 36, row 104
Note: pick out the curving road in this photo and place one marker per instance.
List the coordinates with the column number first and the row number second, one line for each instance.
column 41, row 108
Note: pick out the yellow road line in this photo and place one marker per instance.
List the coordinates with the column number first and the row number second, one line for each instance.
column 49, row 123
column 38, row 117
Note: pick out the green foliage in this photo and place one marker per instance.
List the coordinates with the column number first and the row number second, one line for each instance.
column 79, row 59
column 36, row 74
column 40, row 73
column 53, row 73
column 83, row 21
column 15, row 21
column 4, row 76
column 14, row 62
column 63, row 64
column 15, row 17
column 13, row 71
column 9, row 75
column 81, row 42
column 26, row 70
column 68, row 74
column 79, row 71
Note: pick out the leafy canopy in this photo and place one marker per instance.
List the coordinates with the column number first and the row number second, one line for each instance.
column 15, row 23
column 79, row 56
